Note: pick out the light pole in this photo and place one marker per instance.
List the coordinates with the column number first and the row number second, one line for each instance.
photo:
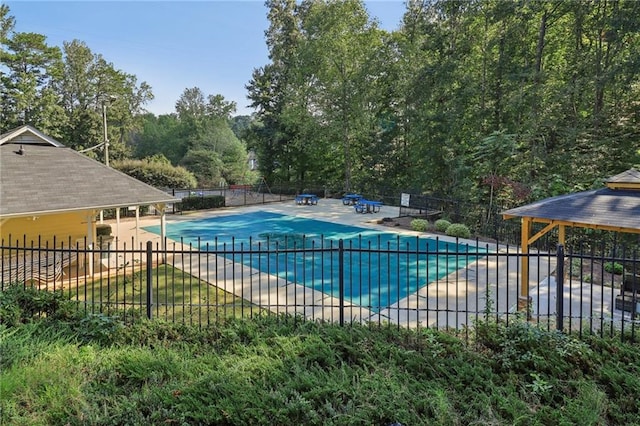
column 104, row 128
column 108, row 99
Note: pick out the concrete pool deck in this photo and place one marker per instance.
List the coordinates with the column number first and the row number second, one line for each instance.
column 452, row 301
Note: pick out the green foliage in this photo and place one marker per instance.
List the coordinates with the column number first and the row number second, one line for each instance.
column 201, row 203
column 458, row 230
column 575, row 267
column 420, row 225
column 156, row 173
column 205, row 165
column 98, row 328
column 20, row 304
column 501, row 108
column 158, row 158
column 614, row 268
column 442, row 225
column 282, row 370
column 30, row 70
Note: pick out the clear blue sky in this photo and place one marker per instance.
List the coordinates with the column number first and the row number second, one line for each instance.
column 172, row 45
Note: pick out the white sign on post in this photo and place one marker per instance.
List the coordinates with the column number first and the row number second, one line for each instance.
column 404, row 200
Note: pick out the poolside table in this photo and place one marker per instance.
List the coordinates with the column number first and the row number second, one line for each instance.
column 307, row 199
column 351, row 199
column 367, row 206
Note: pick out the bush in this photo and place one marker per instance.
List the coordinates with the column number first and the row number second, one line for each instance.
column 19, row 304
column 458, row 230
column 201, row 203
column 575, row 267
column 156, row 173
column 442, row 225
column 614, row 267
column 419, row 225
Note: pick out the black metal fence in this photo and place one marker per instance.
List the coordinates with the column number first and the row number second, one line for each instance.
column 405, row 282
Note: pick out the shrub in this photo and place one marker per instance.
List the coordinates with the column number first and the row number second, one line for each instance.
column 156, row 173
column 442, row 225
column 419, row 225
column 575, row 267
column 458, row 230
column 19, row 304
column 201, row 203
column 98, row 328
column 614, row 267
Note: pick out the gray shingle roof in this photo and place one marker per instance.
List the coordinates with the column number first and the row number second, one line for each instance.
column 605, row 207
column 630, row 176
column 50, row 178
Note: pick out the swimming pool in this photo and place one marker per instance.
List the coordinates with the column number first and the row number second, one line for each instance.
column 379, row 268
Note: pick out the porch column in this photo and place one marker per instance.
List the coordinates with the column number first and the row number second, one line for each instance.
column 117, row 225
column 137, row 225
column 163, row 229
column 90, row 242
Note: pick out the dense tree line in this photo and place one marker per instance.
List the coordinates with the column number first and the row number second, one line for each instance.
column 491, row 100
column 495, row 101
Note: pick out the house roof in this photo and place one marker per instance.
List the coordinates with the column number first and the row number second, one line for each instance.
column 614, row 207
column 39, row 175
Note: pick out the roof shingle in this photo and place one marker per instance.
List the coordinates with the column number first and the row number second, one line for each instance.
column 47, row 178
column 605, row 207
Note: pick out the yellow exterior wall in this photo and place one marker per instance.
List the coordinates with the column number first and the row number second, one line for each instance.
column 65, row 227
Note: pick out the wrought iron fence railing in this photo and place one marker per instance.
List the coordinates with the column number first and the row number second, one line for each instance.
column 401, row 283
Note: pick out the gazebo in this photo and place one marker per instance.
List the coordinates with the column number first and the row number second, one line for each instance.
column 616, row 207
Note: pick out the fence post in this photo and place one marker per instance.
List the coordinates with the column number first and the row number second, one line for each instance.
column 341, row 279
column 560, row 287
column 149, row 279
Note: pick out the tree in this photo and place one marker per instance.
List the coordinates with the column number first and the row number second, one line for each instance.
column 315, row 92
column 29, row 92
column 218, row 107
column 204, row 137
column 271, row 89
column 205, row 165
column 339, row 43
column 90, row 83
column 163, row 135
column 7, row 24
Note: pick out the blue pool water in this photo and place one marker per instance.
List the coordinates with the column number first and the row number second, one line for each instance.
column 380, row 268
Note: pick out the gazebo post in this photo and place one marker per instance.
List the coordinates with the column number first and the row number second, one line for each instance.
column 523, row 297
column 561, row 234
